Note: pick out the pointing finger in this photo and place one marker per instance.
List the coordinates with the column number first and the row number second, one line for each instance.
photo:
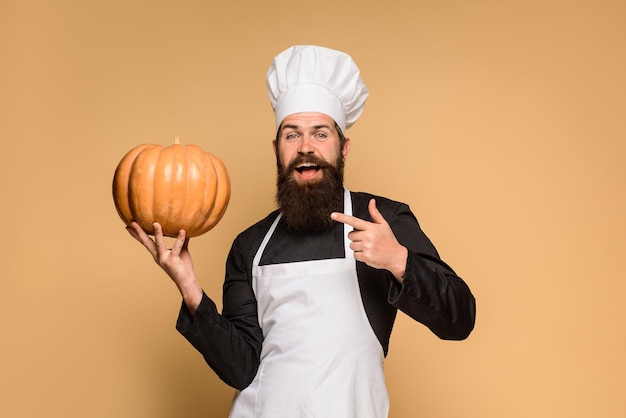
column 354, row 222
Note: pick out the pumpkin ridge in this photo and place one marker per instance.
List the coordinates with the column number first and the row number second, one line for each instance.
column 211, row 186
column 221, row 195
column 120, row 188
column 181, row 201
column 141, row 187
column 192, row 205
column 165, row 183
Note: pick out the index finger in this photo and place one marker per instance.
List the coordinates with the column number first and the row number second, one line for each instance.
column 356, row 223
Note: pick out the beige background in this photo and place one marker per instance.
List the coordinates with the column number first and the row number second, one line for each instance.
column 501, row 124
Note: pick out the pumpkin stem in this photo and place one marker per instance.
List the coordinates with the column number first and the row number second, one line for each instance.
column 177, row 140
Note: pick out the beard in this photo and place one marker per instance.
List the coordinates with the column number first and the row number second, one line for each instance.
column 307, row 207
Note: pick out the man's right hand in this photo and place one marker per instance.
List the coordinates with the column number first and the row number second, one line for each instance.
column 176, row 261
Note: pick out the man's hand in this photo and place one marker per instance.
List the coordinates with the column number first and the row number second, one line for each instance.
column 176, row 262
column 374, row 242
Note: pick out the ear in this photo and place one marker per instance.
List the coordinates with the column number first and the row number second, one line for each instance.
column 346, row 148
column 275, row 147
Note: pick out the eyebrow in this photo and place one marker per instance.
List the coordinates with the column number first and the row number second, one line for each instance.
column 315, row 127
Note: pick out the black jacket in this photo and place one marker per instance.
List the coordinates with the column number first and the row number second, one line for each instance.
column 431, row 292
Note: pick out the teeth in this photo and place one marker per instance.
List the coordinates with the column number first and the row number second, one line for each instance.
column 304, row 165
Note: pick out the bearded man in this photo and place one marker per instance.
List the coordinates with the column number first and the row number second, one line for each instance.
column 311, row 291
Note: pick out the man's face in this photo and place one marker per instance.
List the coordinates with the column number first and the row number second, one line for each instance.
column 307, row 144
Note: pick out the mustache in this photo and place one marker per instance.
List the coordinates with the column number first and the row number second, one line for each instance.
column 307, row 159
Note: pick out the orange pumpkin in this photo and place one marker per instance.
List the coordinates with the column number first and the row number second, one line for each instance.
column 179, row 186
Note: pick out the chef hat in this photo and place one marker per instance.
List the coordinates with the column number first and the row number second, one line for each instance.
column 306, row 78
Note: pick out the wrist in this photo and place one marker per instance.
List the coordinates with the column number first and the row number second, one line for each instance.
column 192, row 295
column 399, row 267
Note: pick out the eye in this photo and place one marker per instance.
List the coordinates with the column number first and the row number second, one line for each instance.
column 291, row 136
column 321, row 136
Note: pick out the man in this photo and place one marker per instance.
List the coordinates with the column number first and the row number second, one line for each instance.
column 311, row 291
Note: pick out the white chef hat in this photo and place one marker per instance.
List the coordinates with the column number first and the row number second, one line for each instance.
column 307, row 78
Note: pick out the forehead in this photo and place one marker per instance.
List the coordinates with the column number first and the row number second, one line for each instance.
column 307, row 120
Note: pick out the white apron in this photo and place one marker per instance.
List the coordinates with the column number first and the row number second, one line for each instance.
column 320, row 356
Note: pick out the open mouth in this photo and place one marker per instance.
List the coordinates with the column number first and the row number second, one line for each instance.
column 308, row 170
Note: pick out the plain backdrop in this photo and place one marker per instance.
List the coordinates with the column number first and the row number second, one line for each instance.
column 501, row 123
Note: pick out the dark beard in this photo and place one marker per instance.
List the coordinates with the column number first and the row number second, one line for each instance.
column 308, row 207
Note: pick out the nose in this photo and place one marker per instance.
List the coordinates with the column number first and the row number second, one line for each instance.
column 306, row 146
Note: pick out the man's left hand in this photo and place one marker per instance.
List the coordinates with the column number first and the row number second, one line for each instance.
column 374, row 242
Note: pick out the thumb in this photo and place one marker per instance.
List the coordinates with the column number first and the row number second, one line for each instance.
column 377, row 217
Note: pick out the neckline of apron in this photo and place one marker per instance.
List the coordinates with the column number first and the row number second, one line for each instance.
column 347, row 208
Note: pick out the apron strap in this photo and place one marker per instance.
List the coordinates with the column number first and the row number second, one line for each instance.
column 257, row 257
column 347, row 209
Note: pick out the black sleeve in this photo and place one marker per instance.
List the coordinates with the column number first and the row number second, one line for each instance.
column 230, row 343
column 431, row 292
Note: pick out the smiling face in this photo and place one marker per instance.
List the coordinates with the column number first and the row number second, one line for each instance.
column 310, row 153
column 307, row 145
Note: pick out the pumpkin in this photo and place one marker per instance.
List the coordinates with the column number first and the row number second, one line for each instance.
column 179, row 186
